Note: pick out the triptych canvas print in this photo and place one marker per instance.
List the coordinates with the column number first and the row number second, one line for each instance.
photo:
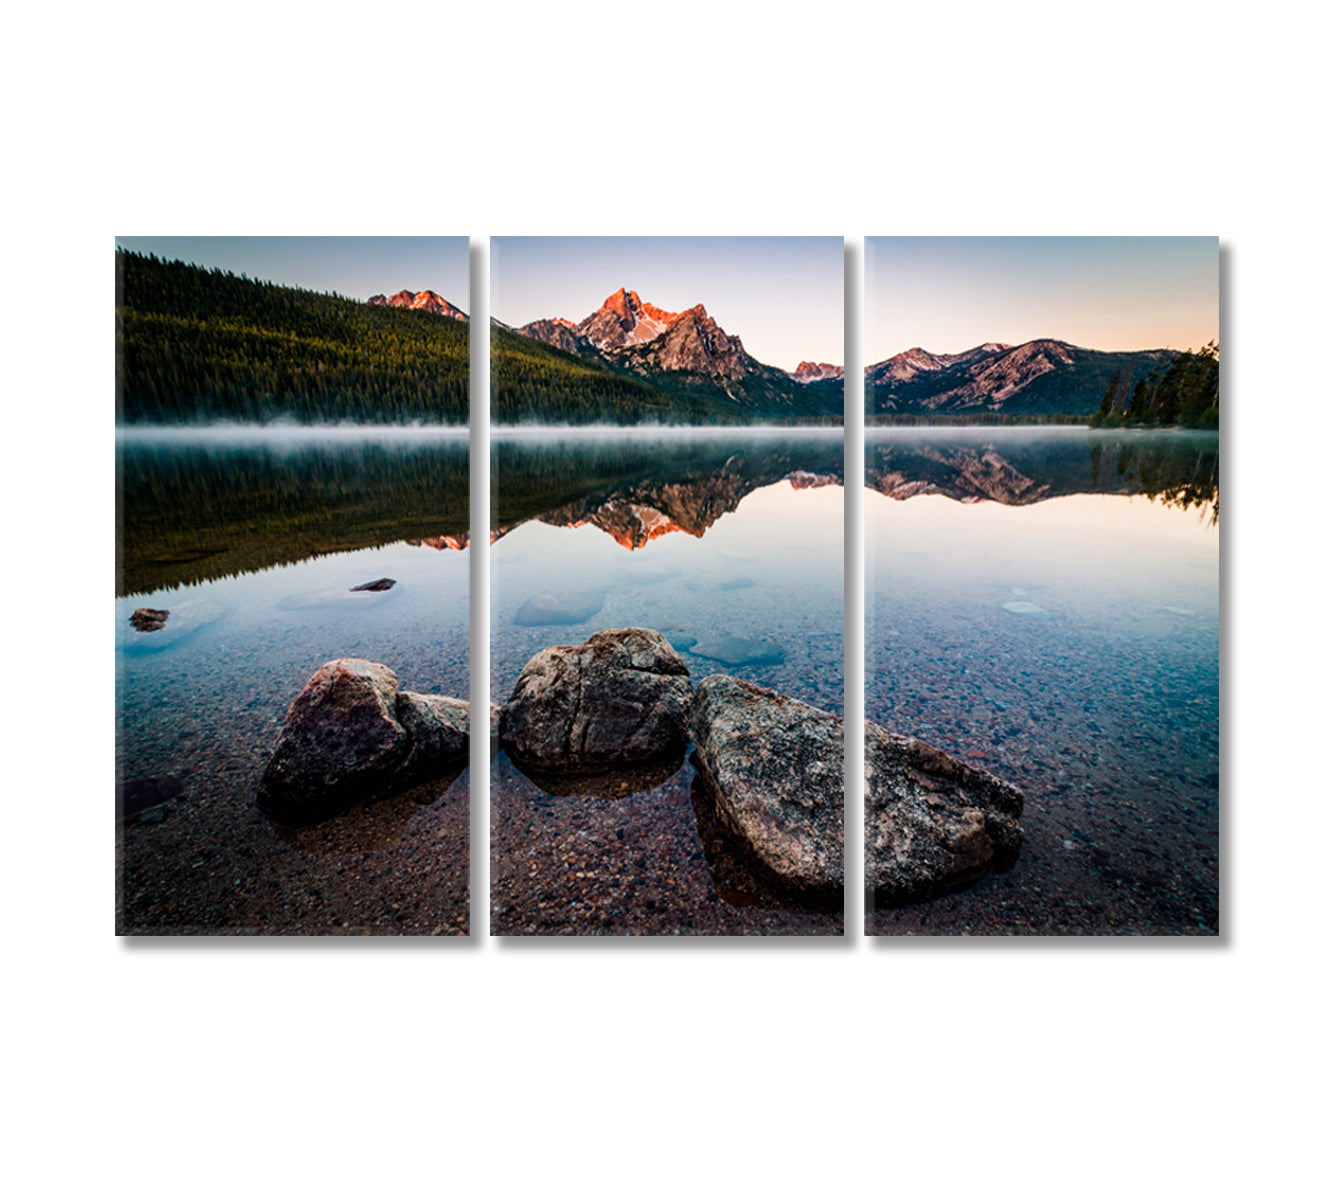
column 664, row 745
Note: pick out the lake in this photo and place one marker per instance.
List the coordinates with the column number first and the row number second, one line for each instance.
column 730, row 543
column 1044, row 604
column 252, row 541
column 1041, row 603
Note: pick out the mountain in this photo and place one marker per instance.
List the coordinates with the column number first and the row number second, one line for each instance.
column 909, row 364
column 560, row 333
column 624, row 320
column 698, row 369
column 1041, row 377
column 809, row 372
column 696, row 354
column 426, row 301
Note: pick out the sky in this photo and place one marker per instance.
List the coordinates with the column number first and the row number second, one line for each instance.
column 783, row 297
column 356, row 267
column 1105, row 293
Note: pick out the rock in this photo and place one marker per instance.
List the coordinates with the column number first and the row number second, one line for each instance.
column 149, row 620
column 737, row 879
column 931, row 821
column 341, row 740
column 375, row 585
column 565, row 608
column 774, row 769
column 437, row 728
column 738, row 651
column 150, row 637
column 351, row 735
column 623, row 696
column 1025, row 608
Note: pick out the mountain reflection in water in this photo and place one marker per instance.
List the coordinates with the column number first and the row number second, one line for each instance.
column 1030, row 465
column 636, row 491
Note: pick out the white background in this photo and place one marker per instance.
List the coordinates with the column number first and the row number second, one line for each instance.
column 217, row 1067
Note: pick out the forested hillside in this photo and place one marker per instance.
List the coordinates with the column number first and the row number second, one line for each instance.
column 194, row 344
column 532, row 381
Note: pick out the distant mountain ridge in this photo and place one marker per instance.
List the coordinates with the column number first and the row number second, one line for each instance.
column 1044, row 376
column 427, row 301
column 810, row 372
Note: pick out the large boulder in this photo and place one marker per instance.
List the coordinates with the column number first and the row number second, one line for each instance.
column 774, row 769
column 437, row 729
column 352, row 735
column 933, row 822
column 621, row 697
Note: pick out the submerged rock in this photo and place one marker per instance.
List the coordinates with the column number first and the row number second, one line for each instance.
column 774, row 769
column 352, row 735
column 931, row 821
column 623, row 696
column 149, row 620
column 148, row 635
column 565, row 608
column 1025, row 608
column 738, row 651
column 140, row 795
column 679, row 638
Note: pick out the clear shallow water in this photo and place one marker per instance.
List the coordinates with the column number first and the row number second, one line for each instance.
column 732, row 546
column 200, row 701
column 1031, row 609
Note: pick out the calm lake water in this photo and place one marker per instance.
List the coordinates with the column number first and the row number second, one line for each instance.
column 252, row 542
column 731, row 545
column 1045, row 604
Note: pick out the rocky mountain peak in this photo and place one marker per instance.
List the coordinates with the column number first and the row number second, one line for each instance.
column 624, row 303
column 625, row 320
column 427, row 300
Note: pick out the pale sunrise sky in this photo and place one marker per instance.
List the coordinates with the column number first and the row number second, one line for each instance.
column 355, row 267
column 1106, row 293
column 783, row 297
